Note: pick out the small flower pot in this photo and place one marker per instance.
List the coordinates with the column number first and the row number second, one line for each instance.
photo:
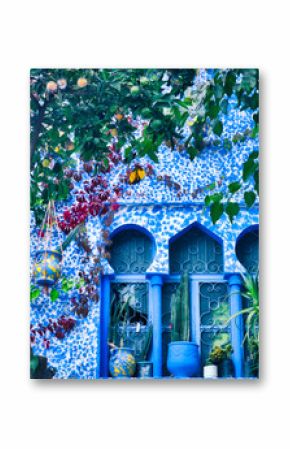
column 144, row 370
column 183, row 359
column 210, row 372
column 47, row 267
column 122, row 362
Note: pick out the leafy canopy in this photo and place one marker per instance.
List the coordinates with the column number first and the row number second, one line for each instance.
column 91, row 112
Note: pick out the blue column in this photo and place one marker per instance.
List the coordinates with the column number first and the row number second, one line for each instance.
column 237, row 325
column 104, row 326
column 156, row 289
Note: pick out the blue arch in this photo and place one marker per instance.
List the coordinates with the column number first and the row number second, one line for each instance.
column 150, row 251
column 245, row 231
column 199, row 226
column 130, row 226
column 247, row 248
column 207, row 257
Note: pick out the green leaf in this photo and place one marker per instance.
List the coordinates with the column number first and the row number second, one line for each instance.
column 34, row 293
column 250, row 198
column 224, row 106
column 218, row 128
column 193, row 152
column 232, row 209
column 256, row 179
column 234, row 187
column 213, row 109
column 254, row 155
column 216, row 197
column 34, row 362
column 207, row 200
column 54, row 294
column 230, row 82
column 249, row 168
column 216, row 211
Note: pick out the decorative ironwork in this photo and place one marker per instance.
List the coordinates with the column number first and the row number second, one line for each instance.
column 131, row 252
column 214, row 313
column 133, row 327
column 247, row 251
column 196, row 252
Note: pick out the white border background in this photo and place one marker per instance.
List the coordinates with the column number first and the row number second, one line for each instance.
column 75, row 414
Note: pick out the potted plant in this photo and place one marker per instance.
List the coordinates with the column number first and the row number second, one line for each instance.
column 252, row 358
column 47, row 266
column 144, row 368
column 221, row 357
column 210, row 371
column 122, row 360
column 182, row 358
column 250, row 292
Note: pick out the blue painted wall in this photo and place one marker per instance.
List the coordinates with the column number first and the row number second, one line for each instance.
column 154, row 206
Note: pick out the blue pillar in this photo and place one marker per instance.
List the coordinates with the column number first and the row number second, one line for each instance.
column 237, row 325
column 104, row 326
column 156, row 289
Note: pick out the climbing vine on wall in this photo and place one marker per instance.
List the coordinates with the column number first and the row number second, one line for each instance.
column 105, row 115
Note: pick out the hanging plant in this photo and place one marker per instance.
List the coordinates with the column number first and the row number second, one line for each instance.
column 47, row 267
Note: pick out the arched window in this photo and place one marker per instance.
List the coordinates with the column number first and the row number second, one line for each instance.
column 125, row 313
column 247, row 249
column 199, row 253
column 195, row 251
column 132, row 251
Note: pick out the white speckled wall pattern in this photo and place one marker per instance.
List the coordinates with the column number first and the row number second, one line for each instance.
column 154, row 206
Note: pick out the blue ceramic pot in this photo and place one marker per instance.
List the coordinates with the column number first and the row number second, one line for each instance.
column 47, row 267
column 122, row 362
column 183, row 359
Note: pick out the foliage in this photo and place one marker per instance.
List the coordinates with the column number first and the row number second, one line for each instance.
column 251, row 338
column 251, row 293
column 180, row 311
column 95, row 113
column 39, row 369
column 220, row 353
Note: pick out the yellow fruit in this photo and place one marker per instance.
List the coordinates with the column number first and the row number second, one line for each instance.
column 119, row 116
column 82, row 82
column 114, row 132
column 70, row 146
column 45, row 163
column 51, row 86
column 57, row 149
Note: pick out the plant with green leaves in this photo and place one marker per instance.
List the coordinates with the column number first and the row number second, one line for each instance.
column 220, row 353
column 180, row 311
column 80, row 113
column 250, row 291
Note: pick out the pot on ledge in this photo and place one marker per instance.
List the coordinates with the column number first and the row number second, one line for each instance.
column 122, row 362
column 183, row 359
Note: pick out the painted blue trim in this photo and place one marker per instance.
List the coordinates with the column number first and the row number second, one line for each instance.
column 122, row 203
column 130, row 226
column 199, row 226
column 245, row 231
column 104, row 326
column 155, row 301
column 237, row 324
